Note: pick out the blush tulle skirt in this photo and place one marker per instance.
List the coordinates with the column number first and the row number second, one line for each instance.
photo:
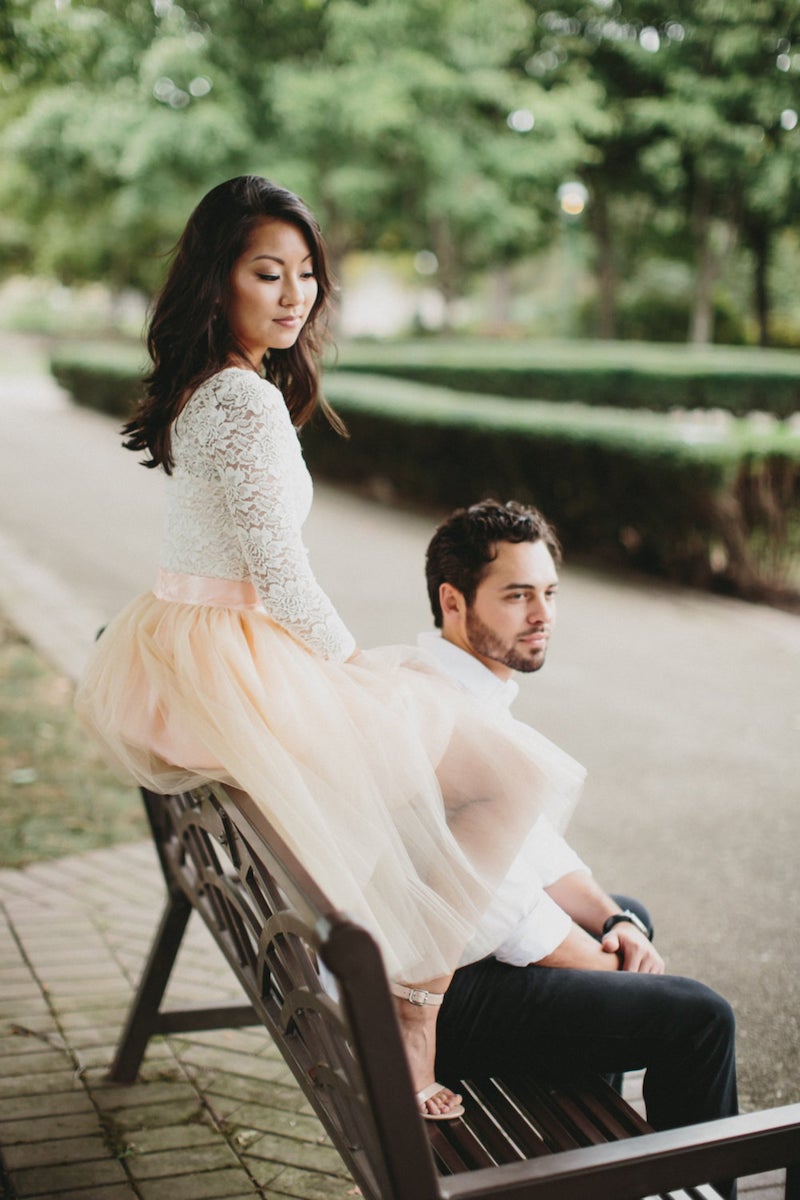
column 403, row 797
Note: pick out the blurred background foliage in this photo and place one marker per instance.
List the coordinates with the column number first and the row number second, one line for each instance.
column 438, row 133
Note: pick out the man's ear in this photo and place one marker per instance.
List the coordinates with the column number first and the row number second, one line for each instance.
column 451, row 600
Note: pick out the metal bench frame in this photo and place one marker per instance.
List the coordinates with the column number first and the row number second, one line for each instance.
column 538, row 1140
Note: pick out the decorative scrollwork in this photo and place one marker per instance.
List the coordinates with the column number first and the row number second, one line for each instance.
column 227, row 877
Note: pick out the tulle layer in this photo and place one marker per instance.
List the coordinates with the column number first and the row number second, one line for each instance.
column 403, row 797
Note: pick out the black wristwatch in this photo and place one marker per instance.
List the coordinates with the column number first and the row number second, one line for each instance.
column 625, row 915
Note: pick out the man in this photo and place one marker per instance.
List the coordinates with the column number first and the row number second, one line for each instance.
column 578, row 984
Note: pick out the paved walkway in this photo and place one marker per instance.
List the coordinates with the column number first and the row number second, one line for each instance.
column 685, row 708
column 216, row 1114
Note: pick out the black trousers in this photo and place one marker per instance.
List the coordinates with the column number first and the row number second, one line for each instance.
column 502, row 1019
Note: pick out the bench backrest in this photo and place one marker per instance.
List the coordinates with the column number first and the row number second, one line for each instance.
column 274, row 926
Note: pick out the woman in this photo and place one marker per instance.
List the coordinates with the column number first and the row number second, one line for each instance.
column 402, row 800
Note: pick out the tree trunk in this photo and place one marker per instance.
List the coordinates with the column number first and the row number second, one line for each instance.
column 701, row 326
column 761, row 245
column 607, row 279
column 701, row 329
column 337, row 243
column 448, row 277
column 709, row 258
column 500, row 299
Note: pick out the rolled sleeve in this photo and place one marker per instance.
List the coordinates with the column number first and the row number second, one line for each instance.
column 523, row 924
column 536, row 936
column 550, row 855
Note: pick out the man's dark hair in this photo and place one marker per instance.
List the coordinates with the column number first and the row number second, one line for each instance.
column 464, row 545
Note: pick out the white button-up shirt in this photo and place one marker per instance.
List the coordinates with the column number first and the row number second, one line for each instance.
column 521, row 903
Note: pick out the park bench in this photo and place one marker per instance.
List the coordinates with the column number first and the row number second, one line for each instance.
column 541, row 1139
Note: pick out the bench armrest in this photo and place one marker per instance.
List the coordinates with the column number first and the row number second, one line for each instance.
column 637, row 1167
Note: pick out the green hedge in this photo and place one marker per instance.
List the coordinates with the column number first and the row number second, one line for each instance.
column 704, row 499
column 613, row 374
column 104, row 375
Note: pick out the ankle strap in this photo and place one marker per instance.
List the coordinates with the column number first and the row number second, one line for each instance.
column 418, row 996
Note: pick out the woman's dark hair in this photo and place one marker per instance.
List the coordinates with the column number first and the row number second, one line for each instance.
column 189, row 337
column 466, row 543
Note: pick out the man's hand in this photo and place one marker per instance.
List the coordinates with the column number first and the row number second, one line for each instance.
column 634, row 952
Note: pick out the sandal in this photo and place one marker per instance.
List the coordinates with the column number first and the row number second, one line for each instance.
column 421, row 996
column 431, row 1090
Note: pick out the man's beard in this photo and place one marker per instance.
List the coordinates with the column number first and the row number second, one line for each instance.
column 486, row 643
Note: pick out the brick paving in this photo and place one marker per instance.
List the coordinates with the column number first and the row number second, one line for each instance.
column 214, row 1115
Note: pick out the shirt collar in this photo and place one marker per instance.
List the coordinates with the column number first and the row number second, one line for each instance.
column 469, row 671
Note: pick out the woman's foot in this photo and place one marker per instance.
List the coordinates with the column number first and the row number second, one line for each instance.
column 417, row 1010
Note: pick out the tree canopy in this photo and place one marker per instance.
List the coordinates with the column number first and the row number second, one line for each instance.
column 438, row 125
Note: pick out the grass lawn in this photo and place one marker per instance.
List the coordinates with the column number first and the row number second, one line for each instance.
column 56, row 795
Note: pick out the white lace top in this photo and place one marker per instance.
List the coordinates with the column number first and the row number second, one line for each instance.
column 236, row 502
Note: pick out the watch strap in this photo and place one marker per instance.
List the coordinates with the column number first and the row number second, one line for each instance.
column 625, row 915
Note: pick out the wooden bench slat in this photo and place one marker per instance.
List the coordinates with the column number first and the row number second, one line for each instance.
column 606, row 1115
column 498, row 1104
column 610, row 1101
column 465, row 1150
column 586, row 1131
column 483, row 1121
column 540, row 1102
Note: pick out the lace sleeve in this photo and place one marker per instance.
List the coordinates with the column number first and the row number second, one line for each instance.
column 267, row 490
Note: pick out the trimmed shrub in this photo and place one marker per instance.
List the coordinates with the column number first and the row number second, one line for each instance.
column 614, row 374
column 103, row 376
column 702, row 499
column 665, row 318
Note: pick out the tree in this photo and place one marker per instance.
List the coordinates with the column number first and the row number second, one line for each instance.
column 106, row 136
column 437, row 125
column 720, row 116
column 402, row 134
column 694, row 91
column 390, row 117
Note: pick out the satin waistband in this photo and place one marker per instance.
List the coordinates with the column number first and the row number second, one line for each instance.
column 202, row 589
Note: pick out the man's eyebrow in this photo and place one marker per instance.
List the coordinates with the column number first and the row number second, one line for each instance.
column 527, row 587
